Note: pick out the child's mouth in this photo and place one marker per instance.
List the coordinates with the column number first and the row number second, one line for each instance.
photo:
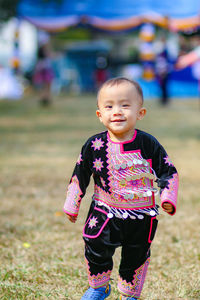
column 117, row 121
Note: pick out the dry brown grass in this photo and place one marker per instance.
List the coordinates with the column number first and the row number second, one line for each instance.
column 38, row 150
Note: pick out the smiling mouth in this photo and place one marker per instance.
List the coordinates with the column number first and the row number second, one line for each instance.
column 117, row 121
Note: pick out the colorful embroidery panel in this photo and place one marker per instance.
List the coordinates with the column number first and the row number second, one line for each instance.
column 169, row 194
column 73, row 198
column 134, row 288
column 98, row 280
column 130, row 180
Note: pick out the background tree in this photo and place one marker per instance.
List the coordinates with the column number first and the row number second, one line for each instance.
column 8, row 9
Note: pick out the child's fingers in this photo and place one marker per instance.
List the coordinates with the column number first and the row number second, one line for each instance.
column 72, row 218
column 168, row 207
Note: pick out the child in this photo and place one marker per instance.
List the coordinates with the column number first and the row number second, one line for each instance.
column 44, row 75
column 124, row 162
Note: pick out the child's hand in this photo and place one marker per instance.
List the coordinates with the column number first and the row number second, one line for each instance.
column 168, row 207
column 72, row 218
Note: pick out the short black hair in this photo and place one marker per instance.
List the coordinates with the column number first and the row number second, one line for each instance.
column 120, row 80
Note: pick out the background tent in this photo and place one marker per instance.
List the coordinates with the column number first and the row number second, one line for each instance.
column 112, row 15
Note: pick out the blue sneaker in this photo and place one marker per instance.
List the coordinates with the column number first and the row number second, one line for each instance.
column 97, row 294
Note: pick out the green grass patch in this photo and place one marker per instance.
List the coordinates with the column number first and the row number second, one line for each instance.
column 41, row 253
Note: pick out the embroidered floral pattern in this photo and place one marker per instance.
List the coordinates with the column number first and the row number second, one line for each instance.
column 79, row 159
column 97, row 144
column 93, row 222
column 168, row 161
column 73, row 198
column 134, row 288
column 98, row 164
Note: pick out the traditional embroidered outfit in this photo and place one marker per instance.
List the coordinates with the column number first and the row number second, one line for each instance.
column 123, row 211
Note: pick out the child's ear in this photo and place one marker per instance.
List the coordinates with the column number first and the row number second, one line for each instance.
column 141, row 113
column 98, row 115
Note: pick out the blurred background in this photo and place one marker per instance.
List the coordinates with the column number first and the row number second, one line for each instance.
column 83, row 43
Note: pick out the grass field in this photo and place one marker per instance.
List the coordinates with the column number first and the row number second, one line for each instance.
column 41, row 253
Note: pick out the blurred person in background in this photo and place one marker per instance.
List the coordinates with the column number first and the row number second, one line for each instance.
column 43, row 73
column 189, row 58
column 101, row 72
column 162, row 71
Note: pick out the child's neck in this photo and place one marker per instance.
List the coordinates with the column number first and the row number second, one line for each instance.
column 120, row 138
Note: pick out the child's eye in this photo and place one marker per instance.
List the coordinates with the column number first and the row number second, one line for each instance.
column 108, row 106
column 125, row 105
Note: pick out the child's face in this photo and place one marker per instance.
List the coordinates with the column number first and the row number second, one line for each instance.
column 120, row 107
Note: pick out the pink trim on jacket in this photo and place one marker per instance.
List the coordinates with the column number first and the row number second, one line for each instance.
column 126, row 142
column 69, row 213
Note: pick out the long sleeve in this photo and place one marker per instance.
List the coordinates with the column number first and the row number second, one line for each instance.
column 79, row 181
column 167, row 177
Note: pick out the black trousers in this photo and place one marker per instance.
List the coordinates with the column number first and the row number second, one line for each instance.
column 102, row 235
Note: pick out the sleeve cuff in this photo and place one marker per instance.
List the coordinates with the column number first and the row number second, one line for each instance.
column 69, row 212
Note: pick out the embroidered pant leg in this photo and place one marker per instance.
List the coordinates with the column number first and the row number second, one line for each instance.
column 100, row 246
column 137, row 238
column 99, row 262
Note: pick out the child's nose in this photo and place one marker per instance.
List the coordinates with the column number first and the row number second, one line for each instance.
column 117, row 110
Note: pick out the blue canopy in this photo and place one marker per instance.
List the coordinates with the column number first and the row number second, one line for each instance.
column 112, row 15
